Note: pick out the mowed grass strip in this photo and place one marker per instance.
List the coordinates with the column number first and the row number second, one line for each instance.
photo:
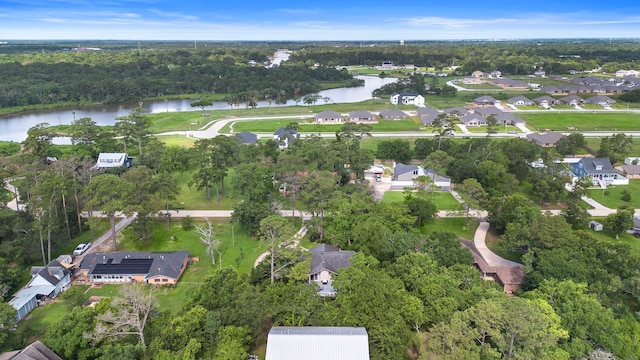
column 442, row 200
column 582, row 121
column 612, row 196
column 459, row 226
column 308, row 126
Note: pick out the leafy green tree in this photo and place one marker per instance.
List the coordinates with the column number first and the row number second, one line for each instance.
column 495, row 178
column 576, row 215
column 473, row 195
column 620, row 221
column 202, row 103
column 7, row 319
column 361, row 302
column 87, row 137
column 398, row 150
column 39, row 141
column 570, row 144
column 137, row 122
column 509, row 209
column 422, row 209
column 249, row 215
column 233, row 343
column 66, row 335
column 317, row 191
column 588, row 323
column 615, row 147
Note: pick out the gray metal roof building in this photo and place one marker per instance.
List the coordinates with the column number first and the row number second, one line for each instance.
column 317, row 343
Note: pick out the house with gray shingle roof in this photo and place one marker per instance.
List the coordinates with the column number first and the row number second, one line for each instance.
column 284, row 137
column 485, row 100
column 328, row 116
column 245, row 137
column 600, row 100
column 473, row 120
column 509, row 119
column 512, row 84
column 35, row 351
column 599, row 171
column 545, row 139
column 428, row 115
column 393, row 114
column 572, row 100
column 159, row 268
column 545, row 101
column 325, row 263
column 520, row 101
column 362, row 116
column 456, row 110
column 487, row 111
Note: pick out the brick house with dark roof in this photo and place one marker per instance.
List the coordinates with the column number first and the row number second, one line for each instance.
column 160, row 268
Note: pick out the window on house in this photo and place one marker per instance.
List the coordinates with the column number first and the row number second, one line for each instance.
column 165, row 280
column 156, row 280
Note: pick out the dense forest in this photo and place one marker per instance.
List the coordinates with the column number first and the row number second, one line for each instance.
column 128, row 76
column 413, row 289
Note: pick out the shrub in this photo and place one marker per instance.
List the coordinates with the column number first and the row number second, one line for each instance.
column 187, row 223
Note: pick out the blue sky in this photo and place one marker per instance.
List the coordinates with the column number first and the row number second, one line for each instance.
column 317, row 20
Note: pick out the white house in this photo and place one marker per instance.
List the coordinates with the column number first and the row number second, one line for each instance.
column 113, row 160
column 407, row 99
column 46, row 282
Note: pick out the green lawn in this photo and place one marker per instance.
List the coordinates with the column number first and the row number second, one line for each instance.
column 442, row 200
column 309, row 126
column 455, row 225
column 594, row 144
column 625, row 238
column 611, row 197
column 189, row 197
column 582, row 121
column 177, row 140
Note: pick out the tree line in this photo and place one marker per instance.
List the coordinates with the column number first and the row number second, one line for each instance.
column 127, row 76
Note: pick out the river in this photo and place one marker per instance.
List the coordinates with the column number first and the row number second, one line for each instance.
column 14, row 127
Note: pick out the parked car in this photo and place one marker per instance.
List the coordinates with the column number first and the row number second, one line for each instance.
column 80, row 249
column 636, row 233
column 512, row 132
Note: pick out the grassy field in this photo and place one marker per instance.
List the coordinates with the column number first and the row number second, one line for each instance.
column 442, row 200
column 189, row 197
column 177, row 140
column 455, row 225
column 625, row 238
column 582, row 121
column 611, row 197
column 312, row 127
column 594, row 144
